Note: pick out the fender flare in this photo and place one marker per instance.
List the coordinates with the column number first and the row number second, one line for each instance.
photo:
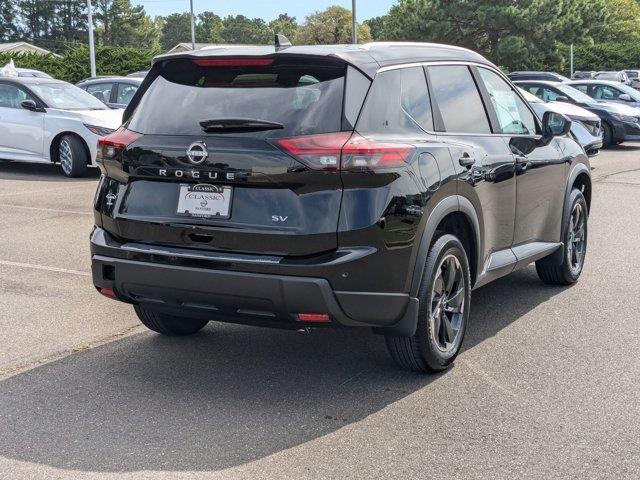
column 448, row 205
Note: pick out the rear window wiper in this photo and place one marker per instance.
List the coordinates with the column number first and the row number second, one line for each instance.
column 238, row 125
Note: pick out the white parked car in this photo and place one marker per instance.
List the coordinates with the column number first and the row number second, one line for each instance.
column 46, row 120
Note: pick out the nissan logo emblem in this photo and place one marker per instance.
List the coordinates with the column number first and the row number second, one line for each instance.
column 197, row 152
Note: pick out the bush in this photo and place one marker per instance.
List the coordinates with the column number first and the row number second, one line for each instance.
column 604, row 56
column 73, row 65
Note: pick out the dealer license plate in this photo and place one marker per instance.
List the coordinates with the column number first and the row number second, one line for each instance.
column 205, row 201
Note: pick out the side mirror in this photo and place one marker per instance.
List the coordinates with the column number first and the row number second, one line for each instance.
column 31, row 105
column 561, row 98
column 625, row 97
column 554, row 124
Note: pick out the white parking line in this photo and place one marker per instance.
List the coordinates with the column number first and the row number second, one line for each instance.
column 44, row 267
column 43, row 209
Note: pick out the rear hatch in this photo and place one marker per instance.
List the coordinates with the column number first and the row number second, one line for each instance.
column 238, row 154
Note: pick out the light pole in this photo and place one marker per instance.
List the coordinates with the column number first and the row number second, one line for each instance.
column 571, row 60
column 354, row 31
column 193, row 28
column 92, row 50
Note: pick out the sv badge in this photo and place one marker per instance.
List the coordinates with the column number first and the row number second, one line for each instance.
column 279, row 218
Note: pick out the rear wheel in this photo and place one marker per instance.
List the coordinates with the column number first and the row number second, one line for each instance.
column 168, row 324
column 607, row 136
column 550, row 269
column 445, row 297
column 72, row 156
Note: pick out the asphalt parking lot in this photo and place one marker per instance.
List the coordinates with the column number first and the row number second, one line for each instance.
column 547, row 385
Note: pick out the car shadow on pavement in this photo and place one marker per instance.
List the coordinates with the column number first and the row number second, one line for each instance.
column 221, row 398
column 40, row 172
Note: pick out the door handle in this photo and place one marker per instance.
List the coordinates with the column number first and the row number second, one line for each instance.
column 466, row 160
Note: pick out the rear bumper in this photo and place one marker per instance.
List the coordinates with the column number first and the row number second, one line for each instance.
column 189, row 290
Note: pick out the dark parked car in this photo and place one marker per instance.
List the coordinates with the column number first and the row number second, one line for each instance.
column 619, row 122
column 336, row 185
column 609, row 91
column 546, row 76
column 116, row 92
column 583, row 75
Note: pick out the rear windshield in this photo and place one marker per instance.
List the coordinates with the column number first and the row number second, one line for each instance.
column 304, row 98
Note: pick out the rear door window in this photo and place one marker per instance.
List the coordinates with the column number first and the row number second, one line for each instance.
column 398, row 103
column 305, row 97
column 102, row 91
column 125, row 93
column 458, row 99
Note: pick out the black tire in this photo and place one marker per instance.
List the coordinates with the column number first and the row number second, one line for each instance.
column 423, row 352
column 607, row 136
column 565, row 270
column 168, row 324
column 72, row 156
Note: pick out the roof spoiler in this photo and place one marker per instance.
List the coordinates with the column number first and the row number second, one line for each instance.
column 281, row 42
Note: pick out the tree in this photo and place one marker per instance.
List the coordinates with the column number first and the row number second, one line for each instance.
column 376, row 25
column 176, row 29
column 622, row 22
column 284, row 25
column 243, row 30
column 513, row 33
column 209, row 28
column 122, row 24
column 9, row 28
column 333, row 25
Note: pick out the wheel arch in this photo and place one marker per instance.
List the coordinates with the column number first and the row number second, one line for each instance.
column 456, row 215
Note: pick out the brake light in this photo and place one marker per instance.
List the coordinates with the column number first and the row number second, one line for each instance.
column 314, row 317
column 360, row 153
column 233, row 62
column 331, row 151
column 110, row 146
column 320, row 152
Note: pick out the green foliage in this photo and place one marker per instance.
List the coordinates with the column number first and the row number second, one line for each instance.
column 284, row 25
column 605, row 56
column 125, row 25
column 332, row 25
column 73, row 66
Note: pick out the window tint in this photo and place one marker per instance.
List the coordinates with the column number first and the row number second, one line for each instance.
column 458, row 99
column 398, row 102
column 125, row 93
column 11, row 96
column 605, row 92
column 513, row 115
column 102, row 91
column 305, row 98
column 582, row 88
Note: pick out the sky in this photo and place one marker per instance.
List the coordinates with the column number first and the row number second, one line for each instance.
column 266, row 9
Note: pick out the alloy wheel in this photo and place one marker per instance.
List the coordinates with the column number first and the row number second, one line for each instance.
column 576, row 242
column 66, row 156
column 447, row 304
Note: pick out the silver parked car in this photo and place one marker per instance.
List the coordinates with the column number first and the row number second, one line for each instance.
column 585, row 126
column 608, row 91
column 620, row 76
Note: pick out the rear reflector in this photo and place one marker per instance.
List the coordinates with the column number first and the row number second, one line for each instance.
column 342, row 150
column 111, row 145
column 107, row 292
column 314, row 317
column 233, row 62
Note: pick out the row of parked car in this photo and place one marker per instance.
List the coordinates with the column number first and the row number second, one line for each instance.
column 603, row 112
column 615, row 103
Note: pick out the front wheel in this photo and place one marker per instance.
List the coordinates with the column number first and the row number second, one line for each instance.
column 445, row 298
column 607, row 136
column 555, row 271
column 72, row 156
column 169, row 325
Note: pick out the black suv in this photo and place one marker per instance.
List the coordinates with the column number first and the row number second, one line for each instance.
column 352, row 186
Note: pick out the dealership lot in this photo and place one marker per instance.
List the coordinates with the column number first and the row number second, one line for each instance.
column 546, row 386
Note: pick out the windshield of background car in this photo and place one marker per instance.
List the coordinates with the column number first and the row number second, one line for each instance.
column 632, row 73
column 632, row 92
column 66, row 97
column 304, row 96
column 608, row 76
column 574, row 93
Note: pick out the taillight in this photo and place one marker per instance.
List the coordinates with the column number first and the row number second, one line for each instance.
column 360, row 153
column 111, row 146
column 331, row 151
column 320, row 152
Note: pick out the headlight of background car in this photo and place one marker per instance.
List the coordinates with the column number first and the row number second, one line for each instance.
column 624, row 118
column 101, row 131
